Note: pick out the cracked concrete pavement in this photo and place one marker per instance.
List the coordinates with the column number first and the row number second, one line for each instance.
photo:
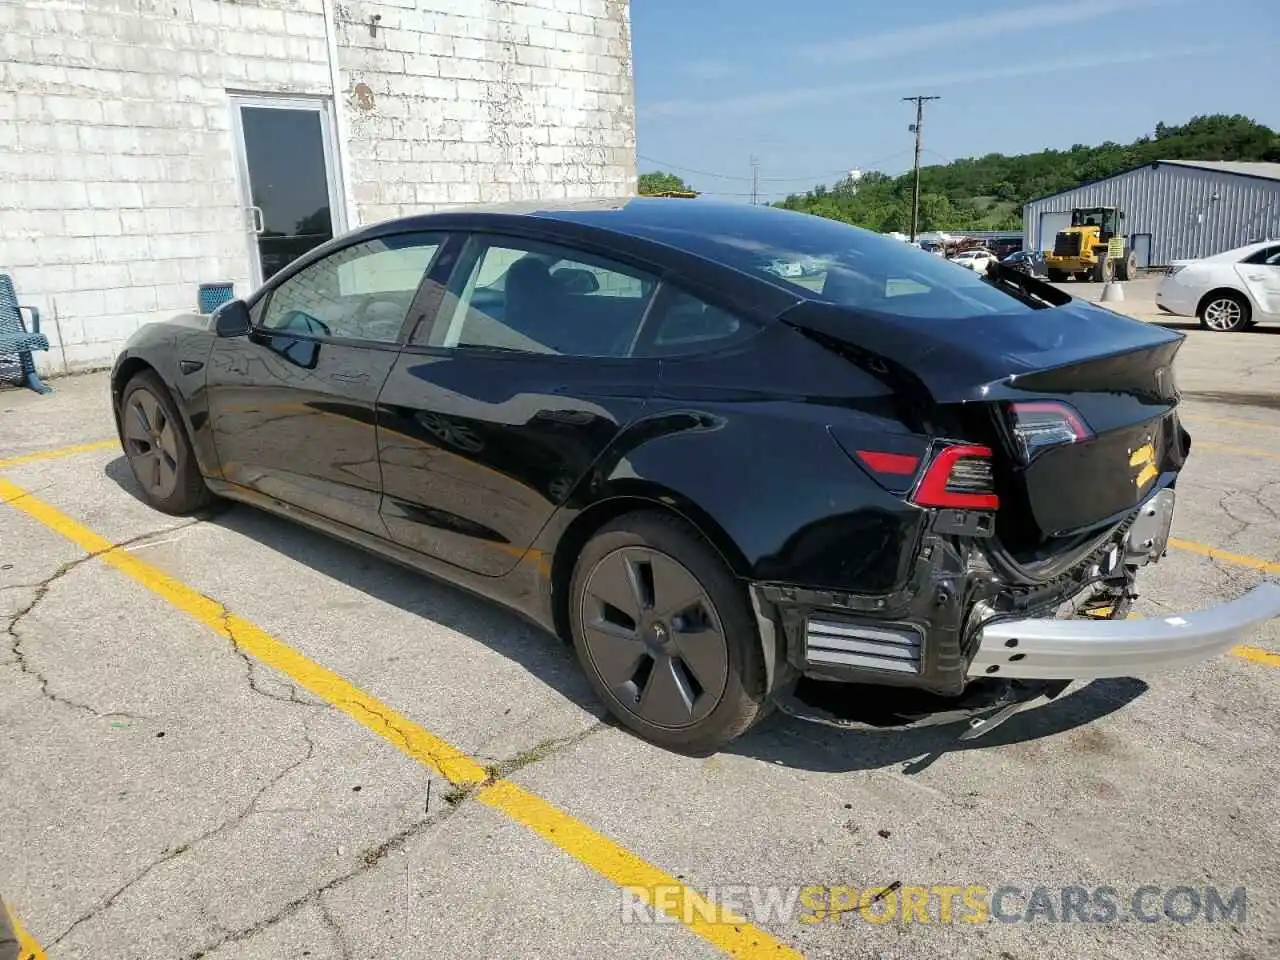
column 172, row 797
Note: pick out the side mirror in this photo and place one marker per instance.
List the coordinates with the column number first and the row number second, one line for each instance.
column 232, row 319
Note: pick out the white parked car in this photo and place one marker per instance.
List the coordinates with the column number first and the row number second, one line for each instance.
column 1228, row 291
column 975, row 260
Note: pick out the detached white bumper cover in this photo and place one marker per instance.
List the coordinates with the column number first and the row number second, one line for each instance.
column 1094, row 649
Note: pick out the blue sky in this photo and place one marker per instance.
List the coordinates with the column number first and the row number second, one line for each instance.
column 814, row 87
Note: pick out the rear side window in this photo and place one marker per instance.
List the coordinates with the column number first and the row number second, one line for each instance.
column 681, row 324
column 516, row 295
column 1267, row 256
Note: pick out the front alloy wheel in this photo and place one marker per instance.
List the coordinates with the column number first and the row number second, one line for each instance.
column 155, row 442
column 151, row 444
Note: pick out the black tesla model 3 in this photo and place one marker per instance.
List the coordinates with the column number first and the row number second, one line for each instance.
column 727, row 480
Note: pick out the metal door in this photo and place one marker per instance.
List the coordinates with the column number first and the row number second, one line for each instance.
column 289, row 182
column 1140, row 243
column 1050, row 225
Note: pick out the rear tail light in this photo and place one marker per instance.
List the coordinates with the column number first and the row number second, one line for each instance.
column 958, row 478
column 1040, row 425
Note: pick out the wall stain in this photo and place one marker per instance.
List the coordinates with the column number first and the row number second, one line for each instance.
column 363, row 96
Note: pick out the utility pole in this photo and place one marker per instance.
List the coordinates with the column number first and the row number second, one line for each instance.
column 916, row 129
column 755, row 180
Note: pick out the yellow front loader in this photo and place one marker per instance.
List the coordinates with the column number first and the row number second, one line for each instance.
column 1092, row 248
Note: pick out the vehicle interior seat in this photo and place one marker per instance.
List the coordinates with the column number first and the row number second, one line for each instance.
column 533, row 301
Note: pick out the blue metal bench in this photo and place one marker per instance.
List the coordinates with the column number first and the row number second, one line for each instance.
column 16, row 341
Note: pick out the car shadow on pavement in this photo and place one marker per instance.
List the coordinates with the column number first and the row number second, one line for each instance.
column 809, row 746
column 538, row 652
column 778, row 739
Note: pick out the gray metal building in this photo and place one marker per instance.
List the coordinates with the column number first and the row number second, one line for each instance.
column 1174, row 209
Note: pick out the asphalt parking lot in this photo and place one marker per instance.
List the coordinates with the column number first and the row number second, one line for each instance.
column 229, row 737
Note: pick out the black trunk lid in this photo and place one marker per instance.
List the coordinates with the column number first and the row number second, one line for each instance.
column 965, row 378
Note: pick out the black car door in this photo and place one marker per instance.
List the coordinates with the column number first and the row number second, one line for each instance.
column 292, row 404
column 494, row 412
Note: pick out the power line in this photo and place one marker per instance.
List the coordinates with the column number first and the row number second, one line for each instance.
column 917, row 129
column 808, row 178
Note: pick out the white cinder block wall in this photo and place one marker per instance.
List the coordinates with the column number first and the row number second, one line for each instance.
column 119, row 189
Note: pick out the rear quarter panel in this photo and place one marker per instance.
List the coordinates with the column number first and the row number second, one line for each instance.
column 740, row 444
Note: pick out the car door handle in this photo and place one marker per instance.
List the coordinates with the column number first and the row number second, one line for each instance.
column 351, row 377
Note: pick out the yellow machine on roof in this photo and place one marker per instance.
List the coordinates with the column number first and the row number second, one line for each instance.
column 1092, row 248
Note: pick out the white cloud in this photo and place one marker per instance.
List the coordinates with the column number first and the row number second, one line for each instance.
column 955, row 34
column 790, row 99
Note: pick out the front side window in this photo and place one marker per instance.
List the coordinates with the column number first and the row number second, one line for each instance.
column 537, row 298
column 361, row 292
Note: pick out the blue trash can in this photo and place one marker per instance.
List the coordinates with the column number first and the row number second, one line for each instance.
column 213, row 295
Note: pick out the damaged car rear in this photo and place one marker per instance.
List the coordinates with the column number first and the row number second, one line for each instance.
column 940, row 488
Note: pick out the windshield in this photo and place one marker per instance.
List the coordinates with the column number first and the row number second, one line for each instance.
column 841, row 264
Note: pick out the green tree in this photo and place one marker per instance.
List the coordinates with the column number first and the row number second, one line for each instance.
column 659, row 182
column 988, row 192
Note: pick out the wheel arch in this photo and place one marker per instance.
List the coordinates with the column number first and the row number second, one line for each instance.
column 1218, row 291
column 647, row 498
column 129, row 366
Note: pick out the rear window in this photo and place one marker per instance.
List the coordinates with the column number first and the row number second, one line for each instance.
column 834, row 262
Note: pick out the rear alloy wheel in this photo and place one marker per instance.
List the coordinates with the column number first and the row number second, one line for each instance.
column 1225, row 312
column 156, row 444
column 666, row 635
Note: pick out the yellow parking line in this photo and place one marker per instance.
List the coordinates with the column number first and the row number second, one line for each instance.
column 1229, row 448
column 727, row 931
column 58, row 452
column 1257, row 655
column 28, row 949
column 1239, row 559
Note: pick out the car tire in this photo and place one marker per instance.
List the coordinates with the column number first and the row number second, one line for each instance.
column 666, row 634
column 155, row 441
column 1225, row 311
